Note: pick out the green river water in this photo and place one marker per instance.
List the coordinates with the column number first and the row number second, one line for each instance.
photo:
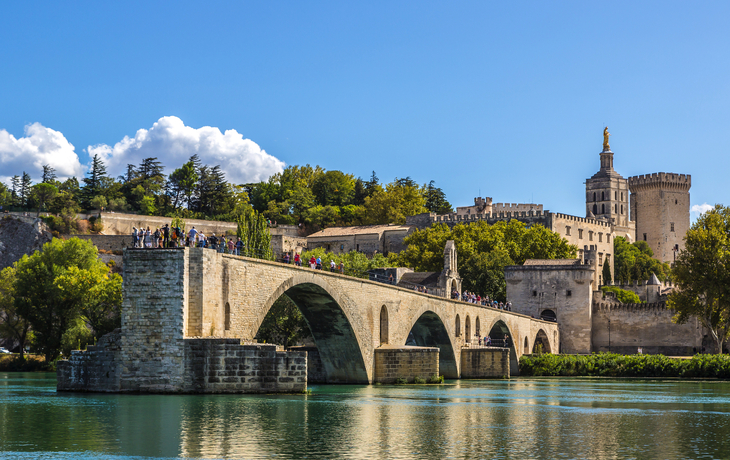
column 521, row 418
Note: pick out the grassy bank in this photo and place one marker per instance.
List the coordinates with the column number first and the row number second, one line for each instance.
column 614, row 365
column 30, row 363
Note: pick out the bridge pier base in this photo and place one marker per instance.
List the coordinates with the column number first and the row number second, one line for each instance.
column 485, row 363
column 393, row 363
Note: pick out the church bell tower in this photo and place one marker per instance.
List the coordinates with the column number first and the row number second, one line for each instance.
column 607, row 192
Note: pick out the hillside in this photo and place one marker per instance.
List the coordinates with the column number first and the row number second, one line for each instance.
column 19, row 236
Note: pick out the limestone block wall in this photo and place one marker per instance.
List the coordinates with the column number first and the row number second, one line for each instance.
column 121, row 224
column 153, row 317
column 565, row 290
column 392, row 363
column 315, row 368
column 225, row 366
column 97, row 369
column 487, row 362
column 108, row 242
column 649, row 326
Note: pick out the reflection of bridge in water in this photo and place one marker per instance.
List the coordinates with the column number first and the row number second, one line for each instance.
column 185, row 313
column 350, row 318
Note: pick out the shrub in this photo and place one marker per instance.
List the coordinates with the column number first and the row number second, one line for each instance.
column 436, row 379
column 401, row 381
column 622, row 295
column 419, row 380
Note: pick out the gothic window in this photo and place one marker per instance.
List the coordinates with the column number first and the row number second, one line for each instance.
column 603, row 209
column 603, row 196
column 622, row 209
column 595, row 209
column 594, row 196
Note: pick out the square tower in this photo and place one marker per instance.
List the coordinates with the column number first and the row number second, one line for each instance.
column 607, row 193
column 660, row 207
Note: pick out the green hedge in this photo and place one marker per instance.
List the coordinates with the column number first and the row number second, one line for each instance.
column 615, row 365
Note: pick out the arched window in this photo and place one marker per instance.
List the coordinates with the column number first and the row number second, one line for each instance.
column 594, row 196
column 615, row 195
column 603, row 209
column 527, row 346
column 603, row 196
column 458, row 326
column 227, row 324
column 476, row 324
column 595, row 209
column 467, row 330
column 622, row 196
column 615, row 208
column 622, row 209
column 383, row 325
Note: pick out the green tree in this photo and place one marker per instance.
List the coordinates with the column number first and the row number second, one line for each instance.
column 25, row 189
column 49, row 174
column 182, row 183
column 400, row 199
column 334, row 188
column 147, row 205
column 254, row 233
column 607, row 273
column 93, row 182
column 12, row 324
column 436, row 200
column 484, row 250
column 43, row 193
column 98, row 294
column 622, row 295
column 49, row 310
column 635, row 261
column 701, row 274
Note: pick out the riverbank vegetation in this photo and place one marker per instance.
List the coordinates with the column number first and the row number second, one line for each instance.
column 27, row 363
column 615, row 365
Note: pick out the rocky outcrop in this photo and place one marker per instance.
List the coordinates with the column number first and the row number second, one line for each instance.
column 20, row 236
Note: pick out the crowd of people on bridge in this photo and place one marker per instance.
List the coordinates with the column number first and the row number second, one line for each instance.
column 174, row 237
column 470, row 297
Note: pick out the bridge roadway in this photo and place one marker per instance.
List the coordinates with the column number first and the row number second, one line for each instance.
column 221, row 295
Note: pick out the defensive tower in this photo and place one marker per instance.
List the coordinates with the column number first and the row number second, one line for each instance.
column 607, row 192
column 660, row 207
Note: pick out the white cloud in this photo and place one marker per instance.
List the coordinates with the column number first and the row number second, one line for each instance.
column 173, row 144
column 698, row 209
column 39, row 146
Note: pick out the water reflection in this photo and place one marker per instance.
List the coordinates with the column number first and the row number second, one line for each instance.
column 519, row 418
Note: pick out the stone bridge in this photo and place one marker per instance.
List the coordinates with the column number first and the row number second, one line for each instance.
column 195, row 292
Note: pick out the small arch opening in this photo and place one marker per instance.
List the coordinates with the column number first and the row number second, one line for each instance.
column 542, row 344
column 458, row 325
column 383, row 325
column 527, row 346
column 467, row 329
column 548, row 315
column 227, row 321
column 477, row 331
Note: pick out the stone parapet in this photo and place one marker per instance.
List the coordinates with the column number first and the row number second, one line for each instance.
column 662, row 180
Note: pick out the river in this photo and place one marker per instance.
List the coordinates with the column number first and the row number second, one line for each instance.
column 521, row 418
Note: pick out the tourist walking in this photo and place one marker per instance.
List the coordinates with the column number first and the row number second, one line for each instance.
column 239, row 247
column 166, row 236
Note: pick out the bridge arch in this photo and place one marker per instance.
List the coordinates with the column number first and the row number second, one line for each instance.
column 329, row 315
column 428, row 330
column 498, row 331
column 541, row 338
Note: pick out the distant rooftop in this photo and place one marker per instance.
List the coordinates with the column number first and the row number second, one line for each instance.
column 359, row 230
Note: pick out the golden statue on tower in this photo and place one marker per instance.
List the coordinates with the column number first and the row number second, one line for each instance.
column 605, row 139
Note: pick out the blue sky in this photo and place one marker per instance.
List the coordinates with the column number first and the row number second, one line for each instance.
column 504, row 99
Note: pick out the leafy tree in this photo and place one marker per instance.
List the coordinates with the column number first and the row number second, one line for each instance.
column 11, row 323
column 99, row 202
column 702, row 275
column 43, row 193
column 622, row 295
column 147, row 205
column 49, row 174
column 635, row 261
column 48, row 308
column 254, row 233
column 484, row 250
column 182, row 183
column 98, row 294
column 5, row 196
column 436, row 200
column 284, row 324
column 400, row 199
column 334, row 188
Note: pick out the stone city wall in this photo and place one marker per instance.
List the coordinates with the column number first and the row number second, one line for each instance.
column 392, row 363
column 487, row 362
column 225, row 366
column 625, row 327
column 108, row 242
column 97, row 369
column 121, row 224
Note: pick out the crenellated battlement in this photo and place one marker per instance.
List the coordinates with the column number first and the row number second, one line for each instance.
column 660, row 180
column 606, row 305
column 515, row 207
column 586, row 220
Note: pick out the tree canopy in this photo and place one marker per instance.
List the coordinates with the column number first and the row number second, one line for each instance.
column 636, row 262
column 701, row 274
column 483, row 251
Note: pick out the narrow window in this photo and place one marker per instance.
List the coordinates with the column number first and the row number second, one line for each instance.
column 603, row 196
column 568, row 293
column 567, row 230
column 600, row 237
column 476, row 328
column 622, row 196
column 590, row 235
column 595, row 209
column 594, row 196
column 675, row 201
column 671, row 224
column 534, row 293
column 383, row 325
column 615, row 208
column 644, row 236
column 622, row 209
column 227, row 325
column 603, row 209
column 458, row 326
column 615, row 195
column 608, row 238
column 580, row 233
column 600, row 259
